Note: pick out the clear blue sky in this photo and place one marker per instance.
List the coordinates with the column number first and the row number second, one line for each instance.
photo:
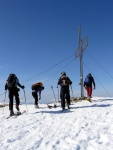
column 35, row 35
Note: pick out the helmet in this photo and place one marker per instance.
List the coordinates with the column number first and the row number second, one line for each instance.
column 63, row 73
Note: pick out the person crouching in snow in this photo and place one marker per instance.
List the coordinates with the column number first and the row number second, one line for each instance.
column 36, row 89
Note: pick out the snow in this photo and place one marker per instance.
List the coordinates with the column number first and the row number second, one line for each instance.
column 86, row 126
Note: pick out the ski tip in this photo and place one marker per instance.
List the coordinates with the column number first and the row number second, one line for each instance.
column 49, row 106
column 8, row 117
column 88, row 99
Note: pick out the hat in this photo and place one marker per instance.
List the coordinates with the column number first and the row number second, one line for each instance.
column 89, row 74
column 63, row 73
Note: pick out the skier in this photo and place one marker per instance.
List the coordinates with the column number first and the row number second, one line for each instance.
column 11, row 85
column 89, row 80
column 64, row 82
column 37, row 88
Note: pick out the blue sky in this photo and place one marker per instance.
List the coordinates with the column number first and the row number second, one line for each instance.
column 35, row 35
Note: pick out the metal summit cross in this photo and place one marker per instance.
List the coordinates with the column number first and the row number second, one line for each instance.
column 79, row 53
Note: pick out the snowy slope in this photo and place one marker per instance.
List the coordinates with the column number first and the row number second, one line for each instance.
column 87, row 126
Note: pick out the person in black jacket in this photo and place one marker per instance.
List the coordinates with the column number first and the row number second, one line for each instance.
column 64, row 82
column 89, row 80
column 11, row 85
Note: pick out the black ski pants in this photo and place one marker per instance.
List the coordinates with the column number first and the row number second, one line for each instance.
column 65, row 94
column 12, row 94
column 35, row 95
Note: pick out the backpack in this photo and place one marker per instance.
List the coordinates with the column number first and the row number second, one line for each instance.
column 88, row 79
column 36, row 85
column 11, row 81
column 65, row 81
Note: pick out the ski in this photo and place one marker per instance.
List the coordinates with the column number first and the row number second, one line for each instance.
column 65, row 110
column 88, row 99
column 16, row 114
column 49, row 106
column 20, row 113
column 78, row 99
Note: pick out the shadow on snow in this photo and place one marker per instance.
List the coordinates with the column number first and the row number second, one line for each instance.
column 54, row 112
column 95, row 105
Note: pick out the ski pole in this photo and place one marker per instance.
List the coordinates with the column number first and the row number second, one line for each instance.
column 72, row 91
column 58, row 92
column 58, row 95
column 25, row 100
column 4, row 101
column 54, row 96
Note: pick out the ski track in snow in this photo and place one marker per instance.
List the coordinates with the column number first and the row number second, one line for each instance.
column 86, row 126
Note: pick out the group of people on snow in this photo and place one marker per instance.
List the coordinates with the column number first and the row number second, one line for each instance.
column 64, row 81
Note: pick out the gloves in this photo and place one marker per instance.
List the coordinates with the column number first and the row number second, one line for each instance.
column 85, row 87
column 94, row 87
column 23, row 87
column 42, row 87
column 6, row 87
column 18, row 89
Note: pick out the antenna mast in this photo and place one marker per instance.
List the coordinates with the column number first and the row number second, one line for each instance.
column 79, row 53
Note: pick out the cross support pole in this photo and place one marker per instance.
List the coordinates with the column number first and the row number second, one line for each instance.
column 79, row 53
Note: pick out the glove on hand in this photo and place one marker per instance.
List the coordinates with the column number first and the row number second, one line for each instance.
column 18, row 89
column 85, row 87
column 23, row 87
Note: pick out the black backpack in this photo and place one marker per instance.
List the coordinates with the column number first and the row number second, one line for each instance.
column 65, row 81
column 11, row 81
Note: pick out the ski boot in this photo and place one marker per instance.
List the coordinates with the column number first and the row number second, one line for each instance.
column 68, row 107
column 18, row 113
column 17, row 107
column 11, row 113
